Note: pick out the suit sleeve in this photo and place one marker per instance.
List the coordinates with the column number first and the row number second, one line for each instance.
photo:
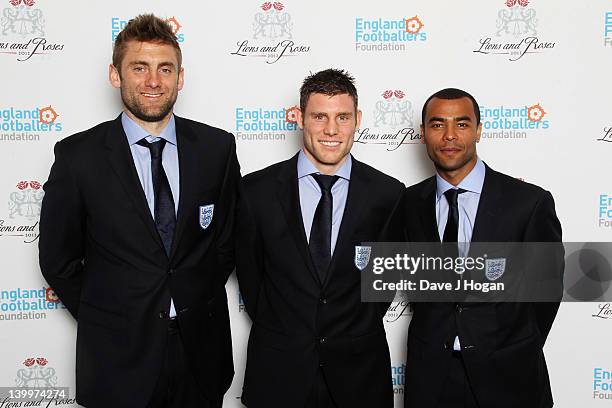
column 393, row 231
column 544, row 226
column 249, row 256
column 227, row 214
column 62, row 232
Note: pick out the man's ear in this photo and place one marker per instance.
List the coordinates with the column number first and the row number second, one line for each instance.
column 113, row 76
column 181, row 78
column 300, row 118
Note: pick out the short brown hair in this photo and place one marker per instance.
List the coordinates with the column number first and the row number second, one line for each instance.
column 329, row 82
column 145, row 28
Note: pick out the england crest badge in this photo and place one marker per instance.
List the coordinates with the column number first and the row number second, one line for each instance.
column 495, row 268
column 206, row 215
column 362, row 256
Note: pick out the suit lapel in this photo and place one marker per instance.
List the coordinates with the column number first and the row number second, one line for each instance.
column 289, row 197
column 189, row 159
column 428, row 212
column 356, row 200
column 122, row 163
column 488, row 206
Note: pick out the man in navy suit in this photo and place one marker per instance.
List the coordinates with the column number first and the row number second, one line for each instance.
column 474, row 354
column 136, row 238
column 313, row 342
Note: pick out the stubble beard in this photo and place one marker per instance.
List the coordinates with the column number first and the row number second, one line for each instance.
column 143, row 113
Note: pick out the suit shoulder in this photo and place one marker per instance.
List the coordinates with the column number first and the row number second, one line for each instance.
column 418, row 188
column 84, row 139
column 267, row 174
column 204, row 130
column 517, row 186
column 381, row 179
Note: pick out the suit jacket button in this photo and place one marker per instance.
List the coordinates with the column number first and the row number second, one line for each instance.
column 323, row 300
column 322, row 340
column 321, row 364
column 163, row 314
column 458, row 308
column 447, row 346
column 171, row 271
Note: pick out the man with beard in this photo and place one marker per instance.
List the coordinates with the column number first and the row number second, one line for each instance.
column 475, row 354
column 136, row 238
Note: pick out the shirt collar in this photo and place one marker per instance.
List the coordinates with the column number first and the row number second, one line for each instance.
column 135, row 132
column 473, row 182
column 305, row 167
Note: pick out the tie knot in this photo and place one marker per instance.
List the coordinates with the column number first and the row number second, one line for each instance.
column 324, row 181
column 452, row 194
column 155, row 148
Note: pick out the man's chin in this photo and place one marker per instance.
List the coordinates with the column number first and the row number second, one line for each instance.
column 449, row 166
column 150, row 116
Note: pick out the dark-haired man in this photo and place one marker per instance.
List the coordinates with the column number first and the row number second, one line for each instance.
column 136, row 238
column 474, row 354
column 313, row 343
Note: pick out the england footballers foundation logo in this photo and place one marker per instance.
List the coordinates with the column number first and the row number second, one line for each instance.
column 271, row 37
column 391, row 123
column 398, row 378
column 265, row 123
column 23, row 32
column 24, row 205
column 388, row 34
column 607, row 40
column 26, row 125
column 602, row 384
column 604, row 210
column 18, row 304
column 516, row 34
column 512, row 122
column 119, row 23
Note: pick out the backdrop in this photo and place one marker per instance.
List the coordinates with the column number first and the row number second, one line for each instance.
column 537, row 67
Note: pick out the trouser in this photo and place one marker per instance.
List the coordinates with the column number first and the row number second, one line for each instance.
column 176, row 386
column 457, row 391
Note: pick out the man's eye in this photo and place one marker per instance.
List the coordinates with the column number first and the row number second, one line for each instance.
column 139, row 69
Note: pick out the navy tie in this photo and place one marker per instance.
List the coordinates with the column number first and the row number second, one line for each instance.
column 320, row 233
column 164, row 214
column 451, row 231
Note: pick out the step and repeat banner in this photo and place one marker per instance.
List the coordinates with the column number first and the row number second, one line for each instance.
column 539, row 69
